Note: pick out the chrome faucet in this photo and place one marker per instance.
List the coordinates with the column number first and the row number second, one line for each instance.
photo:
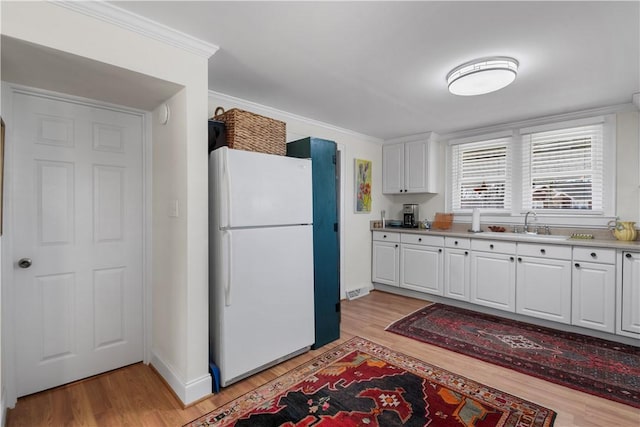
column 526, row 220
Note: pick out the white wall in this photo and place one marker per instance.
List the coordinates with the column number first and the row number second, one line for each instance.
column 628, row 169
column 2, row 392
column 357, row 234
column 180, row 339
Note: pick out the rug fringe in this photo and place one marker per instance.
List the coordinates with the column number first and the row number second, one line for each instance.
column 407, row 315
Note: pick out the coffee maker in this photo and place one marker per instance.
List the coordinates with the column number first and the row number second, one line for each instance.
column 410, row 213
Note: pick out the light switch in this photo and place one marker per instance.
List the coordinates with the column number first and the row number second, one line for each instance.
column 173, row 209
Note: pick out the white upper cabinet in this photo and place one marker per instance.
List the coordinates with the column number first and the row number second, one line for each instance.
column 393, row 169
column 410, row 167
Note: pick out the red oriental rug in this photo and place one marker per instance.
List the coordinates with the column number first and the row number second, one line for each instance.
column 360, row 383
column 599, row 367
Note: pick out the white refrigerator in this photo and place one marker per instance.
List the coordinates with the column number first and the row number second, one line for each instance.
column 261, row 261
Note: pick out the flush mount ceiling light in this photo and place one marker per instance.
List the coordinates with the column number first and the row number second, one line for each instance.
column 482, row 75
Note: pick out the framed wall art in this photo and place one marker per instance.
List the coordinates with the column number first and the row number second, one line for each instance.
column 363, row 186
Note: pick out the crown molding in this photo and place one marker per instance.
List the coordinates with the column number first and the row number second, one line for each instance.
column 254, row 106
column 115, row 15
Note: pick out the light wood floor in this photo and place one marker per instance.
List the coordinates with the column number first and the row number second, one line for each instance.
column 137, row 396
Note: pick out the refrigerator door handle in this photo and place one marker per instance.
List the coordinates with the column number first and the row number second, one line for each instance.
column 225, row 213
column 228, row 276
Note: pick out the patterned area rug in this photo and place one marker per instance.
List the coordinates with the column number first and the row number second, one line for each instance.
column 603, row 368
column 360, row 383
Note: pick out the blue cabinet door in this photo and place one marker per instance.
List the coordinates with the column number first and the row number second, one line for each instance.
column 326, row 247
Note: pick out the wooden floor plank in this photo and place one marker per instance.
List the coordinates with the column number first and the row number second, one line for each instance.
column 136, row 395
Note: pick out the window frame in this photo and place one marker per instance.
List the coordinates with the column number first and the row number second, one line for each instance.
column 490, row 140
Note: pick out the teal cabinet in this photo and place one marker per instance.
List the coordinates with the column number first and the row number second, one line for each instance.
column 326, row 246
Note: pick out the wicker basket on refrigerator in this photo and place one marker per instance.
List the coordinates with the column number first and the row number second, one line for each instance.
column 252, row 132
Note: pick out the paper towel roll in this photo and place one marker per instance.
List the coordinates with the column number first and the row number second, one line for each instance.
column 475, row 220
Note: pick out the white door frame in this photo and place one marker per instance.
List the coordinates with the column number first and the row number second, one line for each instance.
column 8, row 257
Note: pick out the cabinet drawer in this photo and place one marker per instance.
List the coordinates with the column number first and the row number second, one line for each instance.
column 493, row 246
column 421, row 239
column 606, row 256
column 457, row 242
column 544, row 251
column 386, row 237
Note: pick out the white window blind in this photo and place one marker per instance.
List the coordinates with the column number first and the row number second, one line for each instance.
column 481, row 175
column 563, row 170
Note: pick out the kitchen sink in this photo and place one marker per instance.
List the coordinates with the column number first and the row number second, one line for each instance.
column 531, row 236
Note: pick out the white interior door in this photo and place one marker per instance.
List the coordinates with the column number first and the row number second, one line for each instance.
column 77, row 209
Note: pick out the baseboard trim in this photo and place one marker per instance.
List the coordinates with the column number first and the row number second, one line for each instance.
column 188, row 393
column 3, row 411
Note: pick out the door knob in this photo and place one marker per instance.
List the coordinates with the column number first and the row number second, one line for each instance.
column 25, row 263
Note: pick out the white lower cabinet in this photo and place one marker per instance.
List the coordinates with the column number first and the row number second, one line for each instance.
column 594, row 289
column 543, row 282
column 629, row 301
column 385, row 262
column 421, row 263
column 493, row 274
column 457, row 263
column 590, row 287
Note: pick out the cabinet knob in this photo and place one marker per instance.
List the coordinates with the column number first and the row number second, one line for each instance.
column 419, row 239
column 542, row 251
column 455, row 243
column 593, row 255
column 466, row 252
column 439, row 250
column 396, row 245
column 519, row 259
column 628, row 256
column 511, row 259
column 577, row 265
column 490, row 246
column 384, row 237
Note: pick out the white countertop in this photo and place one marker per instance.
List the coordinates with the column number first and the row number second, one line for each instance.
column 521, row 237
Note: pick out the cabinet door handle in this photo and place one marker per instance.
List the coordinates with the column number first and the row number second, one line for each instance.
column 542, row 251
column 439, row 250
column 593, row 255
column 419, row 239
column 511, row 259
column 396, row 245
column 628, row 256
column 519, row 259
column 455, row 243
column 466, row 252
column 577, row 265
column 490, row 246
column 384, row 237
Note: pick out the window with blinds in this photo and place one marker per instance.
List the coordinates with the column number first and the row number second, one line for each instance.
column 481, row 175
column 563, row 170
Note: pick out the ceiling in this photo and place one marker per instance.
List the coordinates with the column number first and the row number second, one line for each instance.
column 379, row 68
